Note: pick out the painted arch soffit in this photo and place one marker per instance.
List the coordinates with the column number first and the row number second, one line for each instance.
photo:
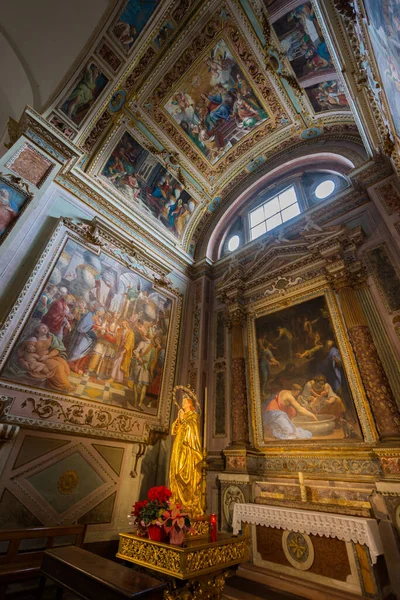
column 200, row 93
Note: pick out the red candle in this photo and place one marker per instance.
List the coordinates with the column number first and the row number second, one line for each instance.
column 213, row 528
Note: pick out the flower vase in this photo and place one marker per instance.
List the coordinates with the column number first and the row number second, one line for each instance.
column 156, row 533
column 176, row 536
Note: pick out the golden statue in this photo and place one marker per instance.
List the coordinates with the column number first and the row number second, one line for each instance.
column 185, row 469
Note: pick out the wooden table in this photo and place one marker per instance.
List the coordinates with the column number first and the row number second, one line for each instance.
column 197, row 570
column 95, row 578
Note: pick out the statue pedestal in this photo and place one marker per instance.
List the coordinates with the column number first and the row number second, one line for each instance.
column 198, row 569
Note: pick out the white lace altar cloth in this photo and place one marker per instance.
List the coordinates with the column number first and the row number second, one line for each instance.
column 349, row 529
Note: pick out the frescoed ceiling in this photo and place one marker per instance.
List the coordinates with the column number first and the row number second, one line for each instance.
column 179, row 101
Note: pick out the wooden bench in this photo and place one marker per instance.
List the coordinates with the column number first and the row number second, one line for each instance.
column 93, row 577
column 21, row 550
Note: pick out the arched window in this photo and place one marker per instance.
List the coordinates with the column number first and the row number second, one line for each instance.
column 270, row 208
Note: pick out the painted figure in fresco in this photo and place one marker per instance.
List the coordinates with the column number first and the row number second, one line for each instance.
column 265, row 359
column 279, row 411
column 125, row 345
column 51, row 352
column 56, row 317
column 186, row 458
column 246, row 115
column 8, row 210
column 84, row 338
column 31, row 360
column 145, row 360
column 84, row 92
column 132, row 19
column 332, row 366
column 125, row 33
column 319, row 397
column 285, row 341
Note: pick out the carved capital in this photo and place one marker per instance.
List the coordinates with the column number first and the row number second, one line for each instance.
column 235, row 318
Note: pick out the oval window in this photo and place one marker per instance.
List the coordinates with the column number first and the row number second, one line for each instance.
column 233, row 243
column 324, row 189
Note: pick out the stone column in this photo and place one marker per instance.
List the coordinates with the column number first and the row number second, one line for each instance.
column 382, row 402
column 239, row 408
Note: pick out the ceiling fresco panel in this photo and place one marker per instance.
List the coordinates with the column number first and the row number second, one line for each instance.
column 328, row 95
column 302, row 40
column 88, row 87
column 384, row 31
column 216, row 101
column 215, row 104
column 131, row 21
column 136, row 174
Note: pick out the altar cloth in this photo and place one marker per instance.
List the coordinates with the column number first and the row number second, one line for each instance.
column 350, row 529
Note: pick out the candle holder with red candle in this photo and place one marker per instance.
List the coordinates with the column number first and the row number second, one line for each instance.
column 213, row 528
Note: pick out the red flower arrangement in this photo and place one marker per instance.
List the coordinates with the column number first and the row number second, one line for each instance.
column 157, row 510
column 149, row 511
column 159, row 494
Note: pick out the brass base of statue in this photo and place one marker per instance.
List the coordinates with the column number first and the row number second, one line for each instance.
column 200, row 527
column 194, row 571
column 199, row 589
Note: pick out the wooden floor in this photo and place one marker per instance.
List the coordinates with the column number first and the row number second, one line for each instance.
column 238, row 588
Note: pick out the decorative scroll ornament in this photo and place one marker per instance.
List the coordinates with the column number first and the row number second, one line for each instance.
column 48, row 409
column 350, row 529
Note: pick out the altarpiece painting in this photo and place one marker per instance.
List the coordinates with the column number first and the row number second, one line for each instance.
column 303, row 387
column 97, row 330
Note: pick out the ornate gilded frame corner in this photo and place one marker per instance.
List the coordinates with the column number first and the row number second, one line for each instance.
column 45, row 409
column 353, row 376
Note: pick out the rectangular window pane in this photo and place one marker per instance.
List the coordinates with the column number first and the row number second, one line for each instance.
column 274, row 221
column 287, row 198
column 258, row 230
column 256, row 216
column 290, row 212
column 271, row 207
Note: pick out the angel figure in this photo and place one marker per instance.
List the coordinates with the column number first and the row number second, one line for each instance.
column 185, row 469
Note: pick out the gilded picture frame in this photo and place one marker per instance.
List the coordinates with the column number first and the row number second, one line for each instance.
column 48, row 405
column 364, row 431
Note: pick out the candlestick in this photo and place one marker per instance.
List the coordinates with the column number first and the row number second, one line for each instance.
column 205, row 421
column 303, row 491
column 213, row 528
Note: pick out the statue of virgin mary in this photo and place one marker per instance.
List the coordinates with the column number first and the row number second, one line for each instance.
column 185, row 470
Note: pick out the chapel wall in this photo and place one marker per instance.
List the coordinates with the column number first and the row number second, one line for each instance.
column 63, row 460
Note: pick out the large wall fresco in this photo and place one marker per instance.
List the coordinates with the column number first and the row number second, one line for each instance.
column 141, row 178
column 98, row 331
column 384, row 30
column 302, row 40
column 214, row 103
column 303, row 386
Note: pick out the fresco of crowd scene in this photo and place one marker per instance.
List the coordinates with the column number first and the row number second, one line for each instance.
column 98, row 331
